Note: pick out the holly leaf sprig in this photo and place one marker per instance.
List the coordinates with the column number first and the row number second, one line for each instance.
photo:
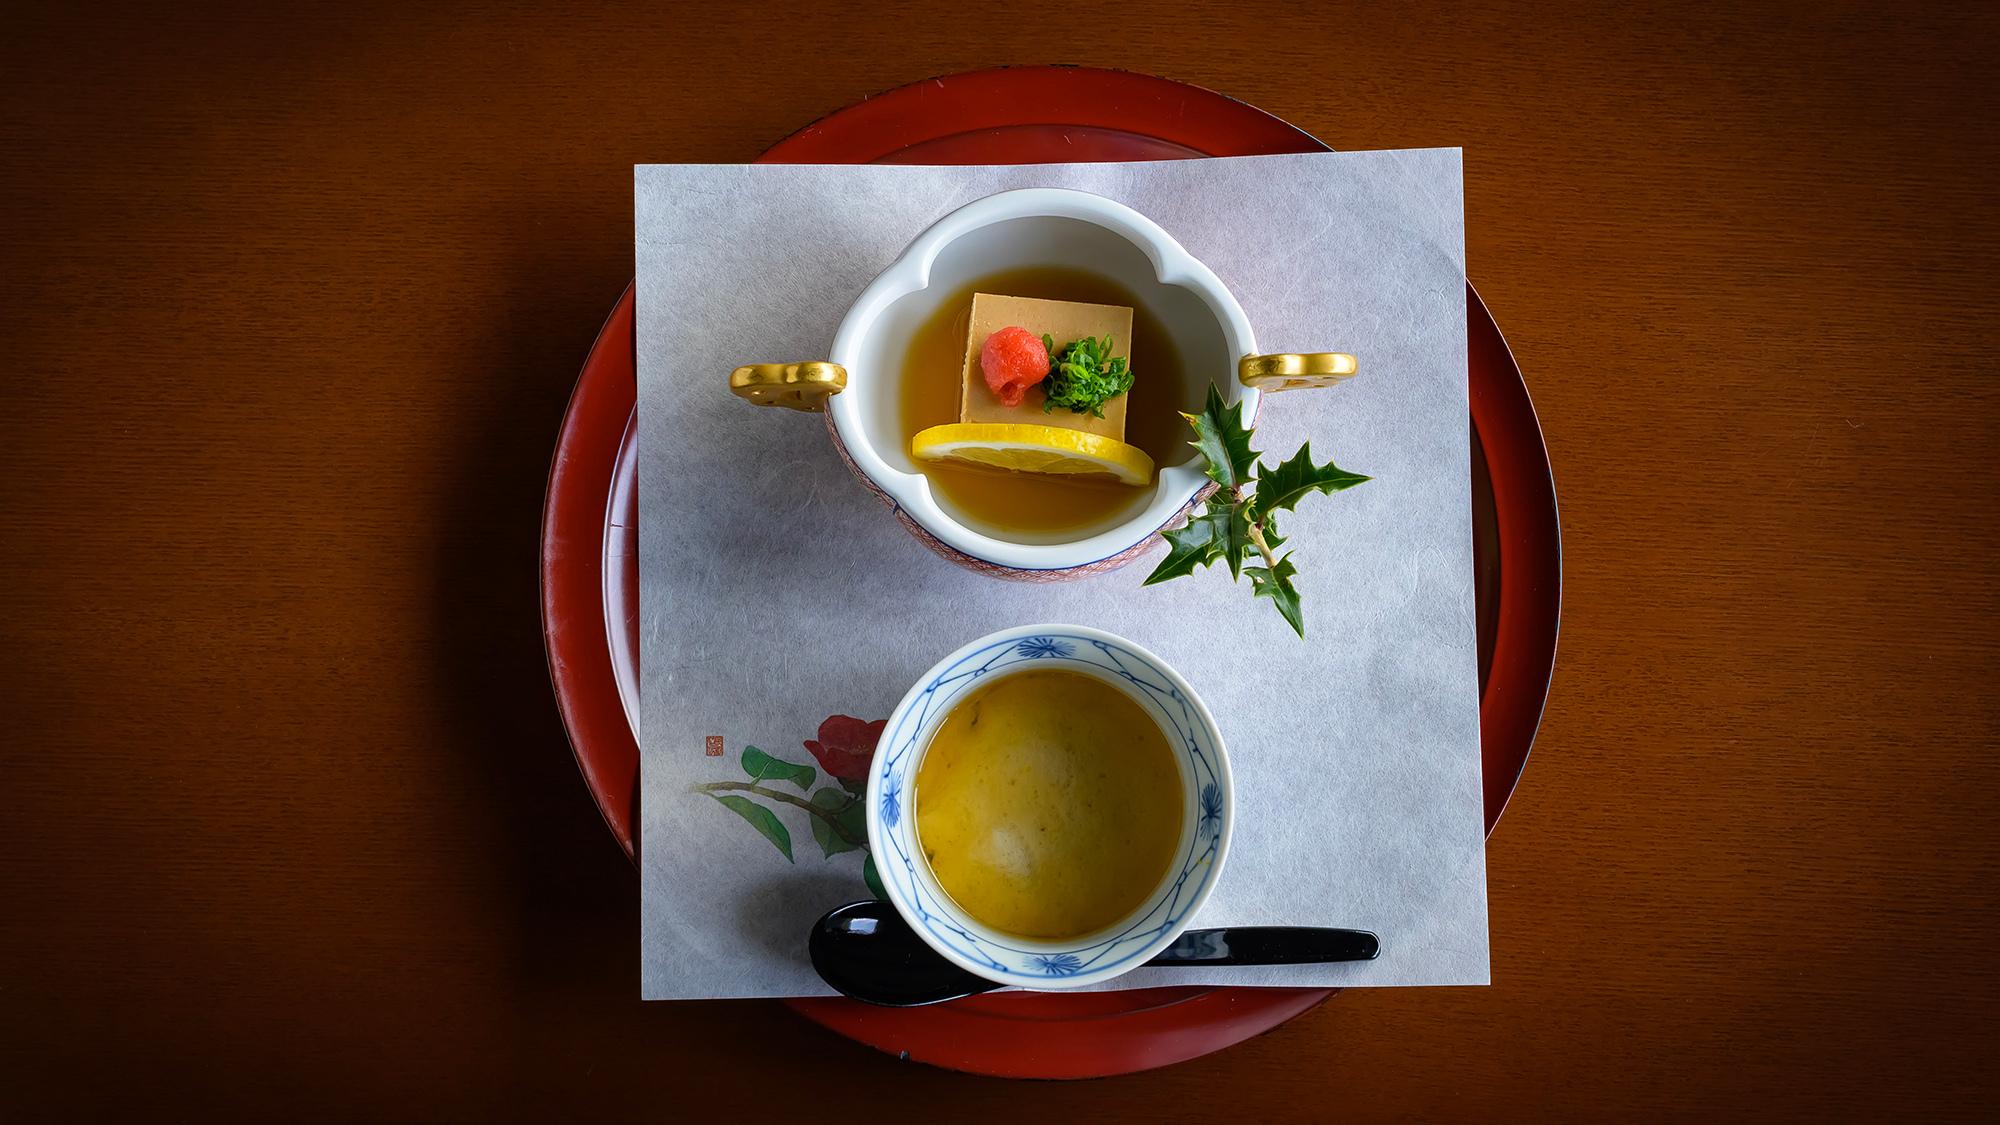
column 1237, row 524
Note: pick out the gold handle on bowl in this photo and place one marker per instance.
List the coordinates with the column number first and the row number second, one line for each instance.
column 1290, row 372
column 795, row 386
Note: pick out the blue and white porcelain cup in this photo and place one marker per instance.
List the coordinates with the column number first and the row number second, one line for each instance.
column 1207, row 808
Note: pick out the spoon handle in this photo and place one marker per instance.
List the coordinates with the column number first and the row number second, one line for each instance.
column 1269, row 945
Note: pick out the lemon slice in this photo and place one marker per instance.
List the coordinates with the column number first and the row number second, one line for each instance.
column 1033, row 449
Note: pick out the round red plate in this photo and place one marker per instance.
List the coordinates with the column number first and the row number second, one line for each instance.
column 1022, row 116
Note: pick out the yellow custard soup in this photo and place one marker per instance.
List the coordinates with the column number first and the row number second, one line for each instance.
column 1048, row 804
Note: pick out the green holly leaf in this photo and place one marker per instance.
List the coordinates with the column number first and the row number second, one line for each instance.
column 760, row 818
column 1298, row 478
column 1272, row 540
column 1188, row 547
column 1218, row 533
column 1222, row 440
column 840, row 834
column 1233, row 528
column 1243, row 505
column 873, row 878
column 763, row 767
column 1275, row 583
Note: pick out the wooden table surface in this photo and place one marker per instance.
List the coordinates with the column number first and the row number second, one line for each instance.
column 291, row 299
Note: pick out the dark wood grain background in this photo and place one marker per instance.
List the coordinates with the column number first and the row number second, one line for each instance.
column 291, row 297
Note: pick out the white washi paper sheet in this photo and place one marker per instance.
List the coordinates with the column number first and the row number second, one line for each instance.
column 776, row 593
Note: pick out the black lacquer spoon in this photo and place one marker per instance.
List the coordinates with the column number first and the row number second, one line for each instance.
column 866, row 951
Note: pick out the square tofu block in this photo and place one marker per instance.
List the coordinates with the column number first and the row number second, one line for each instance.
column 1064, row 321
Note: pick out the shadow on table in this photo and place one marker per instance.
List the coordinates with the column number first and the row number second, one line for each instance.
column 557, row 884
column 576, row 908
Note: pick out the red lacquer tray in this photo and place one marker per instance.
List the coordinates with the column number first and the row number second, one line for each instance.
column 1020, row 116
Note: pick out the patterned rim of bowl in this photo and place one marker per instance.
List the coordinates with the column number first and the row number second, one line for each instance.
column 1208, row 808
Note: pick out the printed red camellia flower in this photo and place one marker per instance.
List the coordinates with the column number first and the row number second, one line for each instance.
column 846, row 745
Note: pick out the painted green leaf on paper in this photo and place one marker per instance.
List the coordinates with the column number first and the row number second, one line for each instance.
column 760, row 818
column 839, row 833
column 763, row 767
column 854, row 819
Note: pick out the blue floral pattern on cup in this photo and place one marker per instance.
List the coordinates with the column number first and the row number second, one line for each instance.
column 1020, row 960
column 1211, row 810
column 1059, row 964
column 892, row 801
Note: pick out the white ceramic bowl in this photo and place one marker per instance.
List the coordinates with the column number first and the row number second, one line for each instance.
column 1207, row 808
column 1029, row 227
